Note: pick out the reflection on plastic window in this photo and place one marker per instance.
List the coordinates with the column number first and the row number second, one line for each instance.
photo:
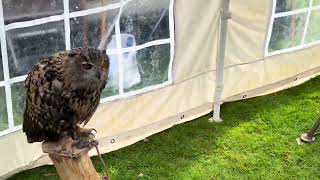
column 287, row 32
column 289, row 5
column 313, row 33
column 295, row 30
column 27, row 45
column 129, row 63
column 3, row 110
column 112, row 87
column 24, row 10
column 18, row 98
column 86, row 31
column 147, row 20
column 78, row 5
column 146, row 67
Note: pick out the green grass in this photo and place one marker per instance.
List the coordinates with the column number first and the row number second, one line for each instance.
column 257, row 140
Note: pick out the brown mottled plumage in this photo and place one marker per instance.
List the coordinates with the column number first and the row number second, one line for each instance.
column 63, row 91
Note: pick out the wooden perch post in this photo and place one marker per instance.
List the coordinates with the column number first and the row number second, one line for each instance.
column 80, row 168
column 75, row 164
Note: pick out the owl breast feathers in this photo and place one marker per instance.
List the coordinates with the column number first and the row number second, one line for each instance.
column 63, row 91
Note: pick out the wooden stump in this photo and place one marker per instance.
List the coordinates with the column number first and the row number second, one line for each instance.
column 72, row 165
column 80, row 168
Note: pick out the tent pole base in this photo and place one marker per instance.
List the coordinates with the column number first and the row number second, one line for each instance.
column 310, row 135
column 211, row 120
column 307, row 138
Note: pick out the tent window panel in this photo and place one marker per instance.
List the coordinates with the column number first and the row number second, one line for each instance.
column 294, row 30
column 78, row 5
column 141, row 22
column 3, row 110
column 147, row 20
column 290, row 5
column 287, row 32
column 18, row 97
column 25, row 10
column 87, row 30
column 112, row 87
column 313, row 33
column 146, row 67
column 27, row 45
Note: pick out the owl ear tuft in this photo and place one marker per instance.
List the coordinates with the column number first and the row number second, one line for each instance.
column 103, row 51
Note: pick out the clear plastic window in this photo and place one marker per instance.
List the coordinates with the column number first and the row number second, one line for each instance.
column 112, row 87
column 87, row 30
column 18, row 97
column 27, row 45
column 3, row 110
column 25, row 10
column 316, row 2
column 290, row 5
column 295, row 25
column 147, row 20
column 139, row 44
column 287, row 32
column 78, row 5
column 146, row 67
column 313, row 33
column 1, row 67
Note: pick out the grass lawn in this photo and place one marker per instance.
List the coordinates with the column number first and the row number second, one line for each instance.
column 257, row 140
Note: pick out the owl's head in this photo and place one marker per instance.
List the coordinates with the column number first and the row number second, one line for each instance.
column 86, row 67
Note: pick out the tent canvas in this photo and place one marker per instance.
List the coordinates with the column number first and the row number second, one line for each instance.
column 176, row 62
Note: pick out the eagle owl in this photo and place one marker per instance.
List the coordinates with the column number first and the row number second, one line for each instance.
column 63, row 91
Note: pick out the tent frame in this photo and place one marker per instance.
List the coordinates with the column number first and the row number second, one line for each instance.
column 225, row 15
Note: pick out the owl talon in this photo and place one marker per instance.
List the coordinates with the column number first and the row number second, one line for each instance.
column 86, row 133
column 82, row 144
column 69, row 148
column 92, row 136
column 93, row 129
column 78, row 148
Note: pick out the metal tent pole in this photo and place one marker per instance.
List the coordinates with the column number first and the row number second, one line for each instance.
column 224, row 16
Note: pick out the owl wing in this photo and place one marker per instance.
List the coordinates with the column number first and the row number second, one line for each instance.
column 47, row 113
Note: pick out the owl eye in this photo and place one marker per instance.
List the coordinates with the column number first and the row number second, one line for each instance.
column 86, row 66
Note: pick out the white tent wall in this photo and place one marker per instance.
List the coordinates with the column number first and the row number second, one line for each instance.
column 248, row 72
column 125, row 121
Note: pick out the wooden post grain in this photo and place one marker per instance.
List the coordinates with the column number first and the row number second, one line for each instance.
column 79, row 168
